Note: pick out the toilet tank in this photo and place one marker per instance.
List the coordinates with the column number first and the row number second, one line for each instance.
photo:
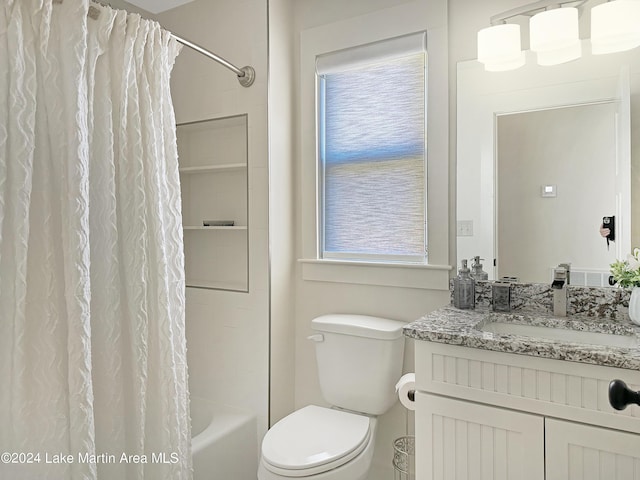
column 359, row 361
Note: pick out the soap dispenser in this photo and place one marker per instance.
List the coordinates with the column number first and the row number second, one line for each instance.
column 477, row 273
column 464, row 288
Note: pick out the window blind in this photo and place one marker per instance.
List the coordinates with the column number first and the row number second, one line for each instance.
column 371, row 130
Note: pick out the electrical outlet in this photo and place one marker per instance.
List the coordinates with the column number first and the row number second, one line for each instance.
column 465, row 228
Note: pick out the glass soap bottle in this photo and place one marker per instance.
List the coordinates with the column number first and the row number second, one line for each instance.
column 477, row 273
column 464, row 289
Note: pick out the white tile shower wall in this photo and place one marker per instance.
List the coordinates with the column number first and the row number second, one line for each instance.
column 226, row 359
column 227, row 332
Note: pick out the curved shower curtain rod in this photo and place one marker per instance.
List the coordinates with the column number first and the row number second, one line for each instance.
column 246, row 75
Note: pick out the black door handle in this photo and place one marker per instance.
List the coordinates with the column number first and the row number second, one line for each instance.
column 620, row 395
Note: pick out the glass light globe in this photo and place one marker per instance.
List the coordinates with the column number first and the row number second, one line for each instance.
column 554, row 36
column 499, row 48
column 615, row 26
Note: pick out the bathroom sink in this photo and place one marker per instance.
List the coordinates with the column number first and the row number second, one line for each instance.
column 622, row 339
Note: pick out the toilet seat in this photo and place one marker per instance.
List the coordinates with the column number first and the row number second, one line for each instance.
column 313, row 440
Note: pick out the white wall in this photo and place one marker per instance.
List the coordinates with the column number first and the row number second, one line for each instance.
column 281, row 208
column 465, row 19
column 316, row 297
column 227, row 332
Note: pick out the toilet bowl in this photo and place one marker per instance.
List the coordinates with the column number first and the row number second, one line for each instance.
column 318, row 443
column 359, row 361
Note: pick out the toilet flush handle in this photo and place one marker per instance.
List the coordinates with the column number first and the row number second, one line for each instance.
column 318, row 337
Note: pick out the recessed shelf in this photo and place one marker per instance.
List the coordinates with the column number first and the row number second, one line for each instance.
column 200, row 227
column 214, row 185
column 226, row 167
column 208, row 125
column 208, row 284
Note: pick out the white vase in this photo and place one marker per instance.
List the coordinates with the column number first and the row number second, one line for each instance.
column 634, row 305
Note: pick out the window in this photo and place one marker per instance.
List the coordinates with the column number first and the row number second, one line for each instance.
column 371, row 151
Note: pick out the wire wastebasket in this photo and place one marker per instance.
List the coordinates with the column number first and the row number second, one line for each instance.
column 404, row 458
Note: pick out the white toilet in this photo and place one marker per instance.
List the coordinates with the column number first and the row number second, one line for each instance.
column 359, row 362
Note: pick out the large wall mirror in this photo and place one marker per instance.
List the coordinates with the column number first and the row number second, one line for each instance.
column 543, row 154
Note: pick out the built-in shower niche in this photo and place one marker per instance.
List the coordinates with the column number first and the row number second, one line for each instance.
column 214, row 182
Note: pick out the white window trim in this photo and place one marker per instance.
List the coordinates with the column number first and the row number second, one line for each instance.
column 407, row 18
column 411, row 275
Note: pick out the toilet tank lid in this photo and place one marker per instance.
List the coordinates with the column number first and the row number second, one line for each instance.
column 359, row 326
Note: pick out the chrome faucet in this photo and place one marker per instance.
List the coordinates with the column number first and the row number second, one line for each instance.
column 559, row 286
column 567, row 267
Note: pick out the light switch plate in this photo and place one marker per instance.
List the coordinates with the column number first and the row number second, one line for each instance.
column 548, row 191
column 465, row 228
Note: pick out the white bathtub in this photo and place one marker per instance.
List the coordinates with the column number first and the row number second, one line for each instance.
column 224, row 442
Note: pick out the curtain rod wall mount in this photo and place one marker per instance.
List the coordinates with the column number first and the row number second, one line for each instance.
column 249, row 76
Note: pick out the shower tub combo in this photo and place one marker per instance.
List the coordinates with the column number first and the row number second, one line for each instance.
column 224, row 442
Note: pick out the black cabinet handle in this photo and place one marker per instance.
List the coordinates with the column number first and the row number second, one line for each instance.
column 620, row 395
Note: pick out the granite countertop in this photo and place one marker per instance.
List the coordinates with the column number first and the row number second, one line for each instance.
column 460, row 327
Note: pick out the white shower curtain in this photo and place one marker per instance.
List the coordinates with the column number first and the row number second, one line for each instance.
column 92, row 341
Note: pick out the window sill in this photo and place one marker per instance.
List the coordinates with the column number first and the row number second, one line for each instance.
column 427, row 277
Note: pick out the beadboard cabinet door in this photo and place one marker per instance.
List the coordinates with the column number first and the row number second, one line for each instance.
column 584, row 452
column 459, row 440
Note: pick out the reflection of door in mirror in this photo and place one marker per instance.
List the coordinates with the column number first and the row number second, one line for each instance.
column 602, row 86
column 555, row 181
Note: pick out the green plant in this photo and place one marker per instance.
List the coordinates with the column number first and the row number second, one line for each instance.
column 627, row 273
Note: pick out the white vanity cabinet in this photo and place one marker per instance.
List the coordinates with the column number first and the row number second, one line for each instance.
column 483, row 415
column 465, row 440
column 576, row 451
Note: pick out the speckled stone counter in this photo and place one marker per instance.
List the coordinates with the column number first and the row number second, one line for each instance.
column 611, row 303
column 463, row 327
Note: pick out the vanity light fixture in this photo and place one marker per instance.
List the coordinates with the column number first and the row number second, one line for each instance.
column 554, row 36
column 615, row 26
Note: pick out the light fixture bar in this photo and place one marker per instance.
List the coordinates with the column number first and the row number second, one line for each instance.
column 532, row 8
